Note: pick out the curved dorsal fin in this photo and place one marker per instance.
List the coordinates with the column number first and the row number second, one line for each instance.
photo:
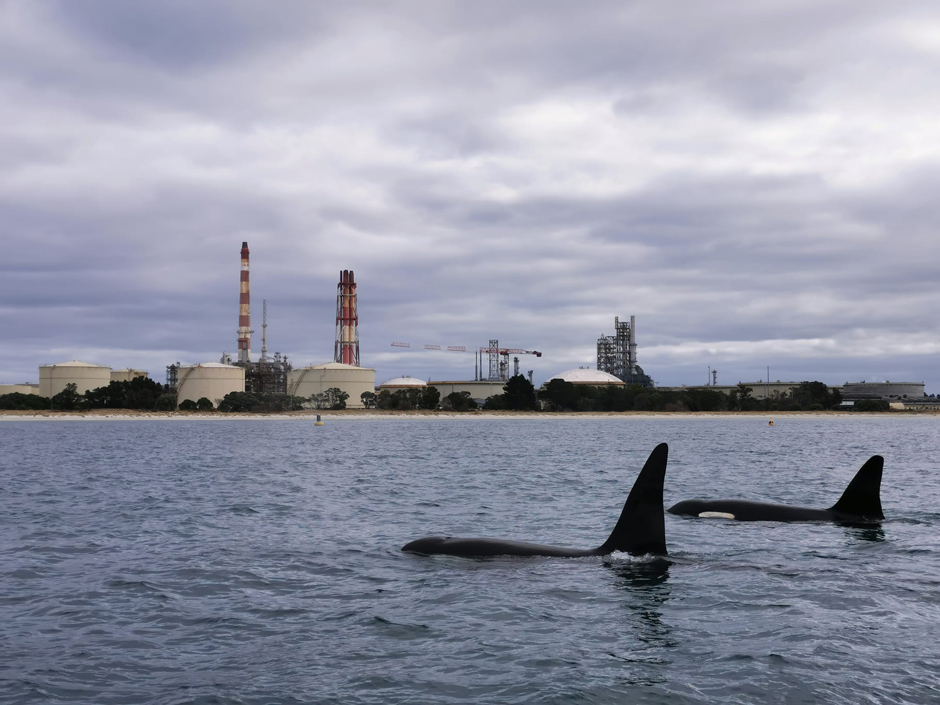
column 641, row 528
column 863, row 495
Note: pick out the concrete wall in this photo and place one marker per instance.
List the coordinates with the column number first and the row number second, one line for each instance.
column 54, row 378
column 316, row 379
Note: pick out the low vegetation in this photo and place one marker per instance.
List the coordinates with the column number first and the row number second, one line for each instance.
column 518, row 394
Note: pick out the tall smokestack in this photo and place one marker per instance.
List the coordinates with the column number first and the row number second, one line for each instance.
column 346, row 349
column 244, row 311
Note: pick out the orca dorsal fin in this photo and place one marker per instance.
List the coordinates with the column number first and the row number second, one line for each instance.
column 641, row 528
column 863, row 495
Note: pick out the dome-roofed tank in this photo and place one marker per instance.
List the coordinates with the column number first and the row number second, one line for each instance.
column 588, row 376
column 84, row 375
column 316, row 379
column 403, row 382
column 211, row 380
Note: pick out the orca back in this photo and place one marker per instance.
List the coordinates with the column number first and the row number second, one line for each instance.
column 862, row 497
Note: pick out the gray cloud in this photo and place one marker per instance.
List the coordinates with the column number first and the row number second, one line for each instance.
column 753, row 183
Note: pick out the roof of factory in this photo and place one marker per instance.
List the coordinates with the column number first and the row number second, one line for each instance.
column 404, row 381
column 210, row 364
column 585, row 375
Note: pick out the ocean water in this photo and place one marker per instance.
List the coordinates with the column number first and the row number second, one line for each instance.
column 257, row 561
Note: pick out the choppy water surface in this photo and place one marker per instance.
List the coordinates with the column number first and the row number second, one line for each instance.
column 257, row 561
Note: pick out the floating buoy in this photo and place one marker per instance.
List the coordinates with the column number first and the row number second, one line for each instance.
column 770, row 424
column 320, row 423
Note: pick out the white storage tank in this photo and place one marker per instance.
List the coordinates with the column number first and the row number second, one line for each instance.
column 316, row 379
column 589, row 377
column 84, row 375
column 211, row 380
column 19, row 389
column 126, row 375
column 405, row 382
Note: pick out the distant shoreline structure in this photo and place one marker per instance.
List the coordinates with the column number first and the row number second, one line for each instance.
column 363, row 414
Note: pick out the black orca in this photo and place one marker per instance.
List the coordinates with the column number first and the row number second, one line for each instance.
column 860, row 503
column 640, row 529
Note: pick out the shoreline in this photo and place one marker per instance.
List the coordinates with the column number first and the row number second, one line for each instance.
column 372, row 414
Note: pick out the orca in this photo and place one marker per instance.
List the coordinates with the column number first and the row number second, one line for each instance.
column 860, row 503
column 640, row 529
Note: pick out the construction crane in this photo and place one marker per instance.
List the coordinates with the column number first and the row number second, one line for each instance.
column 498, row 368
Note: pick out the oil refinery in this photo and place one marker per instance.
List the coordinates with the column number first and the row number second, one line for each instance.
column 616, row 365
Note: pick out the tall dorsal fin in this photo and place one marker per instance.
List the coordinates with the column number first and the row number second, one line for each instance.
column 863, row 495
column 641, row 528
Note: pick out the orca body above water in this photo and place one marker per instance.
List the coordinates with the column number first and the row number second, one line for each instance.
column 860, row 503
column 640, row 529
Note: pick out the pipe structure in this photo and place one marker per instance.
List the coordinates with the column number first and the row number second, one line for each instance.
column 244, row 311
column 632, row 355
column 346, row 349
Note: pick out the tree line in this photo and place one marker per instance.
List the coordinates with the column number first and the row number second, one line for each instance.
column 518, row 394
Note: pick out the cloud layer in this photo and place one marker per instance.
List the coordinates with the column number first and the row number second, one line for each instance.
column 755, row 183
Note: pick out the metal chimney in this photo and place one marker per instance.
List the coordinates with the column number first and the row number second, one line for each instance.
column 244, row 311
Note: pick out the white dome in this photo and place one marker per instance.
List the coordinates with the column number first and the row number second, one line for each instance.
column 405, row 381
column 587, row 376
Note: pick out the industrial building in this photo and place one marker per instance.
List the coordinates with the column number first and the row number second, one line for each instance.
column 212, row 380
column 267, row 375
column 19, row 389
column 126, row 375
column 882, row 390
column 479, row 390
column 616, row 354
column 588, row 377
column 84, row 375
column 316, row 379
column 404, row 382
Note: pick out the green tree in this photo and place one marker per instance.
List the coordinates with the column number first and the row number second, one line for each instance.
column 871, row 405
column 165, row 402
column 23, row 402
column 459, row 401
column 385, row 400
column 519, row 394
column 368, row 399
column 68, row 399
column 239, row 401
column 430, row 398
column 494, row 403
column 559, row 395
column 204, row 404
column 188, row 405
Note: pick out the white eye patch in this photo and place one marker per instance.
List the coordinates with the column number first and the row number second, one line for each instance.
column 716, row 515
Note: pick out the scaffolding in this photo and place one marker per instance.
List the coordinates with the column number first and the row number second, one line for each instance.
column 616, row 354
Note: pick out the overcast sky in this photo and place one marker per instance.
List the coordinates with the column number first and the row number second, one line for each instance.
column 757, row 182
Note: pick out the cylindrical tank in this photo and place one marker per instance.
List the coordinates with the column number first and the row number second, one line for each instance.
column 403, row 382
column 211, row 380
column 126, row 375
column 84, row 375
column 316, row 379
column 19, row 389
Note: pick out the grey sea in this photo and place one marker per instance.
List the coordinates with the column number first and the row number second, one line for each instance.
column 258, row 561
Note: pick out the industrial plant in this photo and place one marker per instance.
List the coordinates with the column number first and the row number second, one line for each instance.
column 616, row 366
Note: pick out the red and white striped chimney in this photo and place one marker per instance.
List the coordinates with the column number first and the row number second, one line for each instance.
column 347, row 320
column 244, row 311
